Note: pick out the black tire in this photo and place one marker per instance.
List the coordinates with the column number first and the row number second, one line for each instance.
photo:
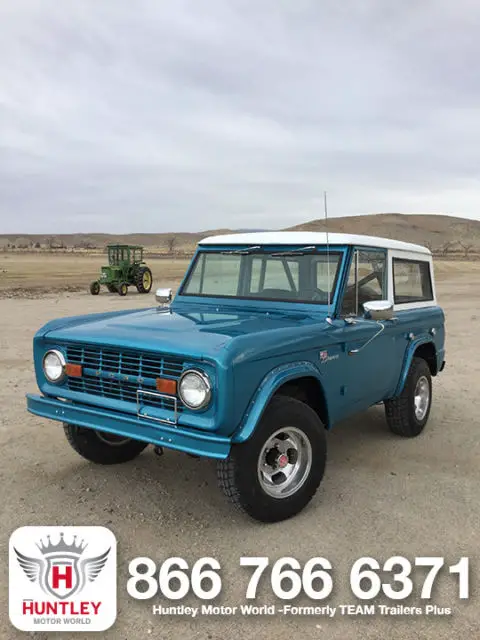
column 402, row 417
column 101, row 447
column 239, row 475
column 111, row 288
column 143, row 280
column 122, row 289
column 95, row 288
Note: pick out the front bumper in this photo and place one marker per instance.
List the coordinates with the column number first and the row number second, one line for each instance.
column 172, row 437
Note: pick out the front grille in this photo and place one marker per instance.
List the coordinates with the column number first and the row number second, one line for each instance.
column 133, row 363
column 118, row 374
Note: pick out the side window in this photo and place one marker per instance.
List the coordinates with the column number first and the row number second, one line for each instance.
column 411, row 281
column 366, row 281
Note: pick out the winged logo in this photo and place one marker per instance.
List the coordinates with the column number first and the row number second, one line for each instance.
column 60, row 571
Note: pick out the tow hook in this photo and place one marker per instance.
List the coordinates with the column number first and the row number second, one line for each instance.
column 158, row 450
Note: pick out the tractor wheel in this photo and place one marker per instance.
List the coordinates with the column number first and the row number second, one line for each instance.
column 95, row 288
column 112, row 288
column 122, row 289
column 143, row 280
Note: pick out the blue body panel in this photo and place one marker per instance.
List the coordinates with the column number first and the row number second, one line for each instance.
column 249, row 348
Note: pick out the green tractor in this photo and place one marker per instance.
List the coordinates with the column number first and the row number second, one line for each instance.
column 125, row 267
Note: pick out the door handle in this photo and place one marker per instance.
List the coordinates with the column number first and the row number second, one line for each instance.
column 354, row 352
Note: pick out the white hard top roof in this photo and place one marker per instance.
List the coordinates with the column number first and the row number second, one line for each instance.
column 305, row 238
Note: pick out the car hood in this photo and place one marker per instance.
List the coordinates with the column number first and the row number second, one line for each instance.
column 211, row 333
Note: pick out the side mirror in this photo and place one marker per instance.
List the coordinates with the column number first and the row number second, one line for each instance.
column 378, row 310
column 163, row 296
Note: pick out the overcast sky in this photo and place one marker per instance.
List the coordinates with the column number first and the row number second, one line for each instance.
column 168, row 115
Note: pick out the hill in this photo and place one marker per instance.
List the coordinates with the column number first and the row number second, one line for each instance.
column 435, row 231
column 439, row 232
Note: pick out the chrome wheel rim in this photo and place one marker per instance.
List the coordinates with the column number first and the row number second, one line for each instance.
column 284, row 462
column 421, row 398
column 111, row 439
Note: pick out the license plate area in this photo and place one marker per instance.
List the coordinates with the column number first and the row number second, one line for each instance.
column 148, row 410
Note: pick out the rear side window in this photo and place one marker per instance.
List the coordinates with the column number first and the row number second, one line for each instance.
column 411, row 281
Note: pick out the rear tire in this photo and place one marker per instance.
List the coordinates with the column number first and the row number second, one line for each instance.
column 143, row 280
column 95, row 288
column 102, row 447
column 407, row 414
column 122, row 289
column 274, row 475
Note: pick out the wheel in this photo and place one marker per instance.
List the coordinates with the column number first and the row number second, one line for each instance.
column 111, row 288
column 102, row 447
column 95, row 288
column 273, row 475
column 122, row 289
column 143, row 280
column 407, row 415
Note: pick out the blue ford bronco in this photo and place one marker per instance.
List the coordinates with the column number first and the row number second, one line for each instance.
column 271, row 339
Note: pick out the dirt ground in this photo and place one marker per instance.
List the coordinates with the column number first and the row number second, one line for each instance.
column 24, row 274
column 381, row 496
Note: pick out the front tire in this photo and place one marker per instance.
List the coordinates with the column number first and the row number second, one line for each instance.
column 102, row 447
column 122, row 289
column 274, row 475
column 407, row 414
column 95, row 288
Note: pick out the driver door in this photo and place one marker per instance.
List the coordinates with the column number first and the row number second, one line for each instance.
column 368, row 368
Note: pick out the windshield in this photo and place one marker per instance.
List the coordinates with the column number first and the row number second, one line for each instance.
column 294, row 275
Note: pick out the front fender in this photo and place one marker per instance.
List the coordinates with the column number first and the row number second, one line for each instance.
column 267, row 388
column 412, row 347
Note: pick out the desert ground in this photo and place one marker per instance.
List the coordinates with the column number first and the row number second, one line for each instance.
column 381, row 495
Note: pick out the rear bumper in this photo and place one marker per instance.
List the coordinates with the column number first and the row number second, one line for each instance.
column 172, row 437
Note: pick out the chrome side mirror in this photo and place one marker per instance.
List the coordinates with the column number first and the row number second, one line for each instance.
column 378, row 310
column 163, row 296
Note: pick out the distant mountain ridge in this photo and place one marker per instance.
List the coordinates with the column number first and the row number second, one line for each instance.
column 434, row 231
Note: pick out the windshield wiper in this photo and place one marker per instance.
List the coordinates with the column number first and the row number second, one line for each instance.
column 242, row 252
column 295, row 252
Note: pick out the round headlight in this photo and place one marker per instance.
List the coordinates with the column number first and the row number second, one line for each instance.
column 195, row 389
column 54, row 366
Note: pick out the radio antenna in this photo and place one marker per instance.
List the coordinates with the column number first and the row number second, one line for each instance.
column 325, row 208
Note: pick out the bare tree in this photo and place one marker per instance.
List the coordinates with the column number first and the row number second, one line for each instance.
column 171, row 242
column 446, row 246
column 54, row 243
column 51, row 243
column 466, row 248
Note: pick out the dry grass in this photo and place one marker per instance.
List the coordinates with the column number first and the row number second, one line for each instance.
column 50, row 272
column 457, row 269
column 42, row 273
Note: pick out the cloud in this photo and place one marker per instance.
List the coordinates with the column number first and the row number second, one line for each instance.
column 182, row 115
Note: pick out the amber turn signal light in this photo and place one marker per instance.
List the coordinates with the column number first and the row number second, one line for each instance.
column 73, row 370
column 166, row 386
